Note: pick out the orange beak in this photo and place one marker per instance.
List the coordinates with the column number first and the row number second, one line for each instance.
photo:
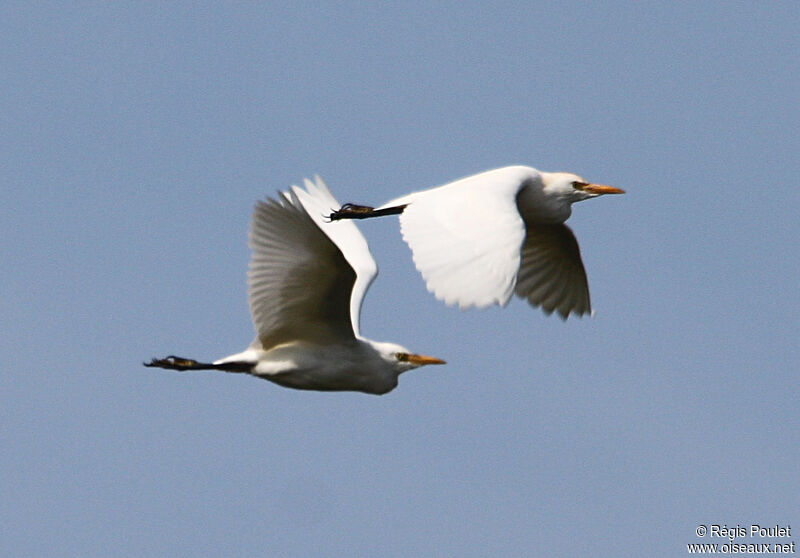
column 421, row 360
column 599, row 189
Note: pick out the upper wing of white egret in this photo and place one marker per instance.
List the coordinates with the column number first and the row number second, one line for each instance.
column 300, row 283
column 466, row 236
column 319, row 202
column 551, row 274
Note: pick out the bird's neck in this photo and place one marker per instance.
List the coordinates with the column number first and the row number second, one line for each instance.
column 537, row 207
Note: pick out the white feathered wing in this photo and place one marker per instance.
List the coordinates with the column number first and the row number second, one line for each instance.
column 473, row 248
column 305, row 282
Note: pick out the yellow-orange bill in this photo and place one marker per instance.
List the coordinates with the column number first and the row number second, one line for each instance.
column 602, row 189
column 421, row 360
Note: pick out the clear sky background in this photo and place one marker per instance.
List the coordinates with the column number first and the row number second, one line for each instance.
column 135, row 140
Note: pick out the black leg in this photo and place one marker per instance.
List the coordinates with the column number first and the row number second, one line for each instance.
column 353, row 211
column 173, row 362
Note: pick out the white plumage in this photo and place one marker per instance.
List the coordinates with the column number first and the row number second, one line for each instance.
column 306, row 282
column 479, row 239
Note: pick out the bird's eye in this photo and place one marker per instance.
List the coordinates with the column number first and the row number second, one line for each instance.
column 578, row 185
column 402, row 357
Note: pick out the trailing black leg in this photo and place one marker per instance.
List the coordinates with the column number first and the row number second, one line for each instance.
column 353, row 211
column 173, row 362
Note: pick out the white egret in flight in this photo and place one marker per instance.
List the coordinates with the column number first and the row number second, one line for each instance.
column 306, row 282
column 479, row 239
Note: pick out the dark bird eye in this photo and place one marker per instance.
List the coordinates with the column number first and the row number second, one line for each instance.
column 578, row 185
column 402, row 357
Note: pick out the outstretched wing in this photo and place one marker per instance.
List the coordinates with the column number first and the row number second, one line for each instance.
column 300, row 283
column 466, row 236
column 551, row 274
column 319, row 202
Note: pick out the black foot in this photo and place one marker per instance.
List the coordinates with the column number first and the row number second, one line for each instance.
column 173, row 362
column 352, row 211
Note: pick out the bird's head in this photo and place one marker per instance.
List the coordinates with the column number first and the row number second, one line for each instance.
column 401, row 359
column 571, row 188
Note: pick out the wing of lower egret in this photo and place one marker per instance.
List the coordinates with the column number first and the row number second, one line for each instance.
column 466, row 236
column 551, row 274
column 299, row 282
column 319, row 202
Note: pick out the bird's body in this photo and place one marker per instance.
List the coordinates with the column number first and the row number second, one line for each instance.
column 354, row 365
column 478, row 240
column 307, row 280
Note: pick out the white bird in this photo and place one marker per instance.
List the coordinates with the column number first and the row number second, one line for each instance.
column 479, row 239
column 306, row 282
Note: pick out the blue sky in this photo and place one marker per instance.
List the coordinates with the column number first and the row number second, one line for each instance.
column 135, row 140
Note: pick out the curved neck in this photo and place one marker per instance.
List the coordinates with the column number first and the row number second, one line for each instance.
column 536, row 206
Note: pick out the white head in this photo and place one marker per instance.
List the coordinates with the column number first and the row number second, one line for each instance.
column 551, row 201
column 400, row 358
column 572, row 188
